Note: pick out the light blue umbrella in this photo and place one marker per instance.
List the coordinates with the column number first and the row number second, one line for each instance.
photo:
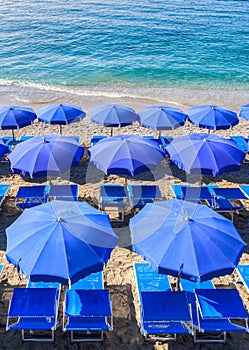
column 112, row 115
column 212, row 117
column 185, row 239
column 60, row 114
column 15, row 117
column 161, row 117
column 126, row 155
column 244, row 112
column 208, row 154
column 58, row 242
column 47, row 155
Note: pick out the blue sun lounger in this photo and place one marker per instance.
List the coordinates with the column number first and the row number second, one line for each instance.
column 245, row 190
column 30, row 196
column 95, row 139
column 163, row 313
column 92, row 281
column 114, row 198
column 148, row 280
column 217, row 312
column 3, row 192
column 63, row 192
column 243, row 273
column 177, row 190
column 34, row 311
column 224, row 200
column 241, row 142
column 198, row 194
column 82, row 322
column 189, row 287
column 87, row 313
column 139, row 195
column 56, row 285
column 1, row 269
column 165, row 141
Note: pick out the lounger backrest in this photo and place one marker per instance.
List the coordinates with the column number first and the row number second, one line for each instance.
column 149, row 280
column 220, row 303
column 90, row 282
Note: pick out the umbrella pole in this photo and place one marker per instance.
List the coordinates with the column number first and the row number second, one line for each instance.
column 50, row 180
column 60, row 129
column 201, row 178
column 126, row 180
column 177, row 284
column 111, row 131
column 13, row 135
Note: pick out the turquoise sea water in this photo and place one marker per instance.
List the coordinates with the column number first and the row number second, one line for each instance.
column 112, row 44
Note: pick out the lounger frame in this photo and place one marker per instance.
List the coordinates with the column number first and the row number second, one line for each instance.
column 35, row 332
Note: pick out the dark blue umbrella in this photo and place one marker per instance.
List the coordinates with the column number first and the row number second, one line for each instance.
column 47, row 155
column 60, row 114
column 161, row 117
column 212, row 117
column 186, row 239
column 3, row 148
column 112, row 115
column 59, row 242
column 15, row 117
column 205, row 154
column 126, row 155
column 244, row 112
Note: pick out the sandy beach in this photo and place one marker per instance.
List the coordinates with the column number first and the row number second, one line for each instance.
column 118, row 274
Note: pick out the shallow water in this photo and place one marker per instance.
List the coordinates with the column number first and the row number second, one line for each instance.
column 133, row 49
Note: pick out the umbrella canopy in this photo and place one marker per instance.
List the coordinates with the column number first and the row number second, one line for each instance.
column 60, row 242
column 186, row 239
column 126, row 155
column 60, row 114
column 212, row 117
column 15, row 117
column 112, row 115
column 48, row 155
column 3, row 148
column 244, row 112
column 161, row 117
column 205, row 154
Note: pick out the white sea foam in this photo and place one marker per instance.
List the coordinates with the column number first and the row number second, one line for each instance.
column 36, row 93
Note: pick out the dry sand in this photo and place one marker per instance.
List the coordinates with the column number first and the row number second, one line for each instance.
column 118, row 274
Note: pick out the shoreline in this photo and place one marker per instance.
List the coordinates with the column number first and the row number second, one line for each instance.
column 37, row 96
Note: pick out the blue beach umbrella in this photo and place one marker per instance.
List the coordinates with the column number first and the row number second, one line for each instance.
column 161, row 117
column 208, row 154
column 185, row 239
column 126, row 155
column 15, row 117
column 60, row 114
column 60, row 242
column 3, row 148
column 47, row 155
column 244, row 112
column 112, row 115
column 212, row 117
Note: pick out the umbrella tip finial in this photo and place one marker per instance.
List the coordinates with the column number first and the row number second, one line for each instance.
column 59, row 219
column 187, row 218
column 205, row 139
